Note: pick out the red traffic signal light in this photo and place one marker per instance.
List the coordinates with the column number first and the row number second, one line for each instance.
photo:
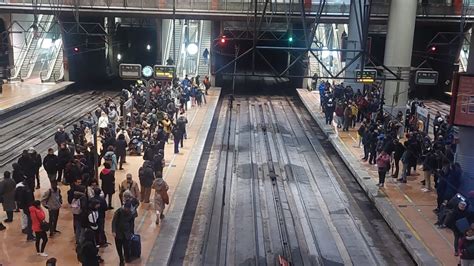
column 223, row 39
column 433, row 48
column 76, row 49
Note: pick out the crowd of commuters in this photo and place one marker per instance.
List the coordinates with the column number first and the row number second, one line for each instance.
column 143, row 130
column 399, row 145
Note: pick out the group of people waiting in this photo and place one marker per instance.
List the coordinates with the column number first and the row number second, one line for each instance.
column 402, row 144
column 147, row 128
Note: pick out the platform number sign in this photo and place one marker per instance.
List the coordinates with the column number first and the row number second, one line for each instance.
column 130, row 71
column 366, row 76
column 426, row 77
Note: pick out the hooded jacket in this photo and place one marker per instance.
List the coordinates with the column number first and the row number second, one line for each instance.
column 108, row 181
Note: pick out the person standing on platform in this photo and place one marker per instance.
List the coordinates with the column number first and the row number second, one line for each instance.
column 27, row 164
column 64, row 156
column 207, row 83
column 61, row 136
column 103, row 123
column 37, row 164
column 122, row 231
column 52, row 201
column 37, row 219
column 329, row 109
column 101, row 238
column 146, row 176
column 181, row 125
column 177, row 138
column 111, row 158
column 399, row 149
column 108, row 183
column 383, row 165
column 77, row 200
column 132, row 186
column 121, row 150
column 161, row 197
column 51, row 165
column 24, row 198
column 7, row 195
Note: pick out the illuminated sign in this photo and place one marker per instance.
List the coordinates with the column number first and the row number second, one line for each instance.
column 366, row 76
column 130, row 71
column 164, row 72
column 426, row 77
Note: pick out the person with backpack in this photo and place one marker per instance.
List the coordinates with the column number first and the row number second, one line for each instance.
column 121, row 150
column 108, row 183
column 39, row 226
column 111, row 158
column 383, row 165
column 161, row 197
column 77, row 200
column 87, row 251
column 52, row 201
column 51, row 165
column 122, row 231
column 181, row 125
column 146, row 176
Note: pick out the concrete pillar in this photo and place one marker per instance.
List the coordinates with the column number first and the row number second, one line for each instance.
column 111, row 60
column 398, row 51
column 465, row 149
column 7, row 20
column 354, row 41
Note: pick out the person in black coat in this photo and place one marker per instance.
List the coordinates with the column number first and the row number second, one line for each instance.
column 89, row 251
column 36, row 158
column 121, row 150
column 18, row 174
column 27, row 164
column 459, row 212
column 51, row 164
column 108, row 183
column 398, row 151
column 64, row 157
column 25, row 198
column 122, row 231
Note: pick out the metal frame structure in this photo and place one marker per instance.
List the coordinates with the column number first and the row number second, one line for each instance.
column 256, row 34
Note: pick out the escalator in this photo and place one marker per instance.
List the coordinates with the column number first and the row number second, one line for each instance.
column 30, row 52
column 54, row 71
column 205, row 43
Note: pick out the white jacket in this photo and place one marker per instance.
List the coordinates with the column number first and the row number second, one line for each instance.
column 103, row 122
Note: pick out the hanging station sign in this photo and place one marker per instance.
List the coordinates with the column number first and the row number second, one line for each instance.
column 130, row 71
column 164, row 72
column 426, row 77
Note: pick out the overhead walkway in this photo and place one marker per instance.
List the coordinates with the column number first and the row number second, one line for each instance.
column 334, row 11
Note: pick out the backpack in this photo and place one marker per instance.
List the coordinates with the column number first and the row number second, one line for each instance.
column 384, row 162
column 108, row 158
column 76, row 206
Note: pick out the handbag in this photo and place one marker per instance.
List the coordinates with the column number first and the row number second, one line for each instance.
column 45, row 226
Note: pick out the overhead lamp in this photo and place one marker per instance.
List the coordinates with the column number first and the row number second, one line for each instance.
column 192, row 49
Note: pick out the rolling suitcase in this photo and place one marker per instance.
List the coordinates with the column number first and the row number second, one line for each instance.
column 135, row 246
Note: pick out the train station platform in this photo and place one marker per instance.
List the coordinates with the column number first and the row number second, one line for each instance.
column 179, row 174
column 21, row 94
column 406, row 209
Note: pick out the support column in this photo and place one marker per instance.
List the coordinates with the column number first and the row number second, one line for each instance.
column 354, row 40
column 465, row 149
column 398, row 51
column 159, row 43
column 7, row 20
column 111, row 60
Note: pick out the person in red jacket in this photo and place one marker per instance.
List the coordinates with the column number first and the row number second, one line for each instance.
column 38, row 216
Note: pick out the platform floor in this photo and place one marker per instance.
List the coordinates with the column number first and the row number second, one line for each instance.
column 15, row 95
column 412, row 204
column 15, row 250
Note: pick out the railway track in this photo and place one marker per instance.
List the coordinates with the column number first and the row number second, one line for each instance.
column 279, row 191
column 35, row 127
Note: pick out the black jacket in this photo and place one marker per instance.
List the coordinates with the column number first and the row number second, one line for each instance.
column 146, row 174
column 51, row 163
column 120, row 147
column 24, row 196
column 61, row 137
column 122, row 224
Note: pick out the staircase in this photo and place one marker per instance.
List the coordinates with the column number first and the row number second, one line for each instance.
column 205, row 42
column 33, row 45
column 56, row 72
